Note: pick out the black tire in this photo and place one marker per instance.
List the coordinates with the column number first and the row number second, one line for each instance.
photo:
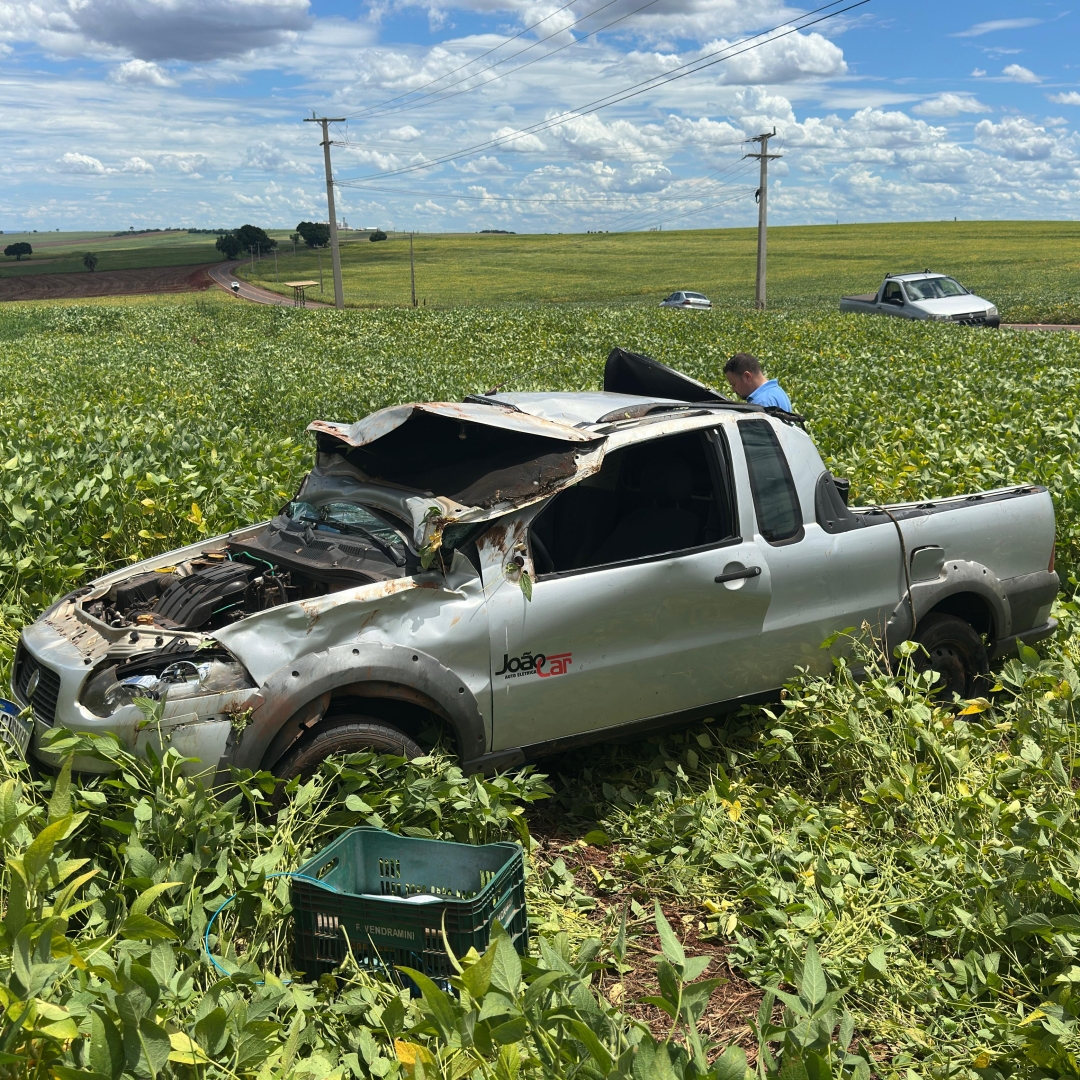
column 955, row 651
column 344, row 735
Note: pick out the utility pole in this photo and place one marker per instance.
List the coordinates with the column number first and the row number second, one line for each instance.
column 412, row 271
column 763, row 212
column 339, row 295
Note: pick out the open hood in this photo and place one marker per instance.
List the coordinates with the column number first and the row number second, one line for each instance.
column 633, row 373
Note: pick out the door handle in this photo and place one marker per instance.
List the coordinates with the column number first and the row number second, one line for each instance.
column 748, row 572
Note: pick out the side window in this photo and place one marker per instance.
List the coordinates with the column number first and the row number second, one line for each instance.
column 892, row 294
column 656, row 498
column 775, row 500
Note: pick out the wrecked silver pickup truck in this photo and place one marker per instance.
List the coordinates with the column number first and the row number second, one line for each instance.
column 532, row 570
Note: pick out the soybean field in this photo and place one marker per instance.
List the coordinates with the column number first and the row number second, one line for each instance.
column 885, row 886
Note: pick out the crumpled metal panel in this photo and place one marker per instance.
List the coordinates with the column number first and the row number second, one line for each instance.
column 377, row 425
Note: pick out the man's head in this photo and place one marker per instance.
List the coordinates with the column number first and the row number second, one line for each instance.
column 743, row 373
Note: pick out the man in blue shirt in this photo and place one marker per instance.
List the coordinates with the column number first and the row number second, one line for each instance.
column 744, row 375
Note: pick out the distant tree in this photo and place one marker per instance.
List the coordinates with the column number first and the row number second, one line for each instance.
column 229, row 245
column 252, row 238
column 295, row 238
column 19, row 250
column 90, row 261
column 315, row 233
column 378, row 234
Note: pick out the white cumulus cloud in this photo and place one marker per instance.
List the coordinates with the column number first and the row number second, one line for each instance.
column 137, row 165
column 144, row 72
column 1070, row 97
column 1016, row 73
column 1015, row 138
column 73, row 162
column 948, row 104
column 261, row 155
column 527, row 144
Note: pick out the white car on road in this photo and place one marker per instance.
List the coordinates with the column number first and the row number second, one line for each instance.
column 687, row 300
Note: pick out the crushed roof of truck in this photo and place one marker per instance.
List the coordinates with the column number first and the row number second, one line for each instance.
column 494, row 451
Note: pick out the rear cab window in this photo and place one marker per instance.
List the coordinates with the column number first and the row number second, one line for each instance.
column 776, row 502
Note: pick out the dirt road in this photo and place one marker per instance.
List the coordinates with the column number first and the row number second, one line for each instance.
column 153, row 279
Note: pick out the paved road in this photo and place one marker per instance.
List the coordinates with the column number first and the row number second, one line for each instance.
column 222, row 274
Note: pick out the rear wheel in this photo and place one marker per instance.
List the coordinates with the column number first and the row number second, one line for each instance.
column 347, row 735
column 956, row 653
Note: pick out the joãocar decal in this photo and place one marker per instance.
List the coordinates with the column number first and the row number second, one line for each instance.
column 517, row 667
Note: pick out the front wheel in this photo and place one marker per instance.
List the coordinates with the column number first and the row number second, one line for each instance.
column 955, row 651
column 347, row 735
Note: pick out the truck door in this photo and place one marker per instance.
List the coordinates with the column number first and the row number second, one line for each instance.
column 892, row 299
column 628, row 619
column 821, row 582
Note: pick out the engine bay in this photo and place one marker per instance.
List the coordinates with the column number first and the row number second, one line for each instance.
column 297, row 556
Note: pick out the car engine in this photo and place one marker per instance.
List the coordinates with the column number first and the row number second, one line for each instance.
column 286, row 561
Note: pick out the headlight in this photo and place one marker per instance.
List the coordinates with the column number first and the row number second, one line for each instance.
column 991, row 312
column 940, row 318
column 105, row 694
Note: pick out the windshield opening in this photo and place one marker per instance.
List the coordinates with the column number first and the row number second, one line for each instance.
column 936, row 288
column 346, row 518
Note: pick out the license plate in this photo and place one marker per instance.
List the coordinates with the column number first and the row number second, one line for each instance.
column 14, row 732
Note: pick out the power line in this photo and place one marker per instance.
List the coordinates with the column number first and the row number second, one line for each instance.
column 634, row 90
column 701, row 209
column 421, row 192
column 631, row 219
column 461, row 67
column 434, row 98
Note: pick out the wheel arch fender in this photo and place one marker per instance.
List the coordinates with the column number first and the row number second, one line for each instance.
column 297, row 695
column 964, row 588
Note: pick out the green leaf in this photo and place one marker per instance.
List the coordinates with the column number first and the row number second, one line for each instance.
column 155, row 1045
column 144, row 928
column 847, row 1030
column 669, row 943
column 792, row 1068
column 876, row 963
column 439, row 1005
column 812, row 986
column 145, row 899
column 506, row 968
column 526, row 584
column 1028, row 656
column 163, row 963
column 730, row 1065
column 106, row 1046
column 40, row 850
column 597, row 1051
column 60, row 802
column 695, row 967
column 511, row 1032
column 476, row 978
column 212, row 1033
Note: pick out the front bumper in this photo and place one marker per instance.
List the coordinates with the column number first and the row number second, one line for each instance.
column 199, row 728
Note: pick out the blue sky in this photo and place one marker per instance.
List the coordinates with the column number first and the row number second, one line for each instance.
column 119, row 113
